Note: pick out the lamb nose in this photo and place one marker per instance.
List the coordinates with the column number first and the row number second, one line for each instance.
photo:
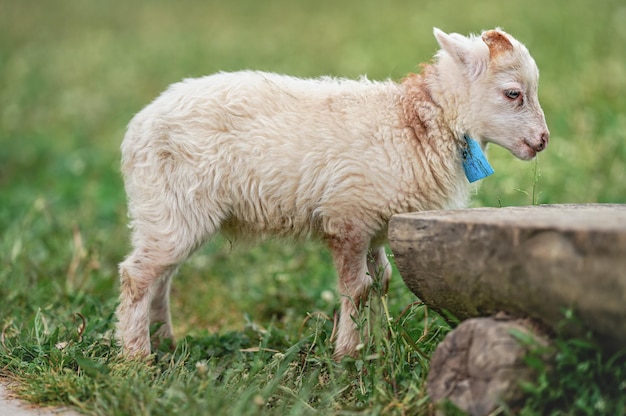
column 543, row 141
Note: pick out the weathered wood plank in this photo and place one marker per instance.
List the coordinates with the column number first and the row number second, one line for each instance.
column 531, row 261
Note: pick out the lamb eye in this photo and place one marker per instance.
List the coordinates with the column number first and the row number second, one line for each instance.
column 512, row 94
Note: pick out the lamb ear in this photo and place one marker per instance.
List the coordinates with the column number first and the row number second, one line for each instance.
column 467, row 53
column 497, row 42
column 451, row 44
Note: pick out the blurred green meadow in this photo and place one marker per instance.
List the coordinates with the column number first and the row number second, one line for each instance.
column 72, row 75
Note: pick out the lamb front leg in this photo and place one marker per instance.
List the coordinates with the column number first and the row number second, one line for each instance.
column 379, row 267
column 349, row 251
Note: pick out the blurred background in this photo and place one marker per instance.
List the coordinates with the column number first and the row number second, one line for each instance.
column 74, row 72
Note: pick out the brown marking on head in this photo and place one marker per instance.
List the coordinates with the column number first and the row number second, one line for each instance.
column 497, row 42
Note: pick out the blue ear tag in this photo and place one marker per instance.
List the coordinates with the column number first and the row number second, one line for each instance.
column 475, row 163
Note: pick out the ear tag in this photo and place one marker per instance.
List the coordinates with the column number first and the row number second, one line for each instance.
column 475, row 163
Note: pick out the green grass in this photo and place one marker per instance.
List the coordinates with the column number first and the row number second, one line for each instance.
column 579, row 379
column 254, row 333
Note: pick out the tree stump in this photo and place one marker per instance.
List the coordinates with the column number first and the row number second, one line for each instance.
column 480, row 364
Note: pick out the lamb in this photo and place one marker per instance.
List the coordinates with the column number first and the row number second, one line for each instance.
column 257, row 155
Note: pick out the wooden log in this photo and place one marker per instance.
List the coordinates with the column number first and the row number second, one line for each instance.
column 532, row 261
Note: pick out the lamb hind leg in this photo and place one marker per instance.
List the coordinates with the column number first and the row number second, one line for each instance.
column 160, row 310
column 144, row 298
column 138, row 278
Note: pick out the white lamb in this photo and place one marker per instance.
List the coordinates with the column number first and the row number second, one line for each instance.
column 255, row 154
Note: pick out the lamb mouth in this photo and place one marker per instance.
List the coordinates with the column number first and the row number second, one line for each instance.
column 524, row 151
